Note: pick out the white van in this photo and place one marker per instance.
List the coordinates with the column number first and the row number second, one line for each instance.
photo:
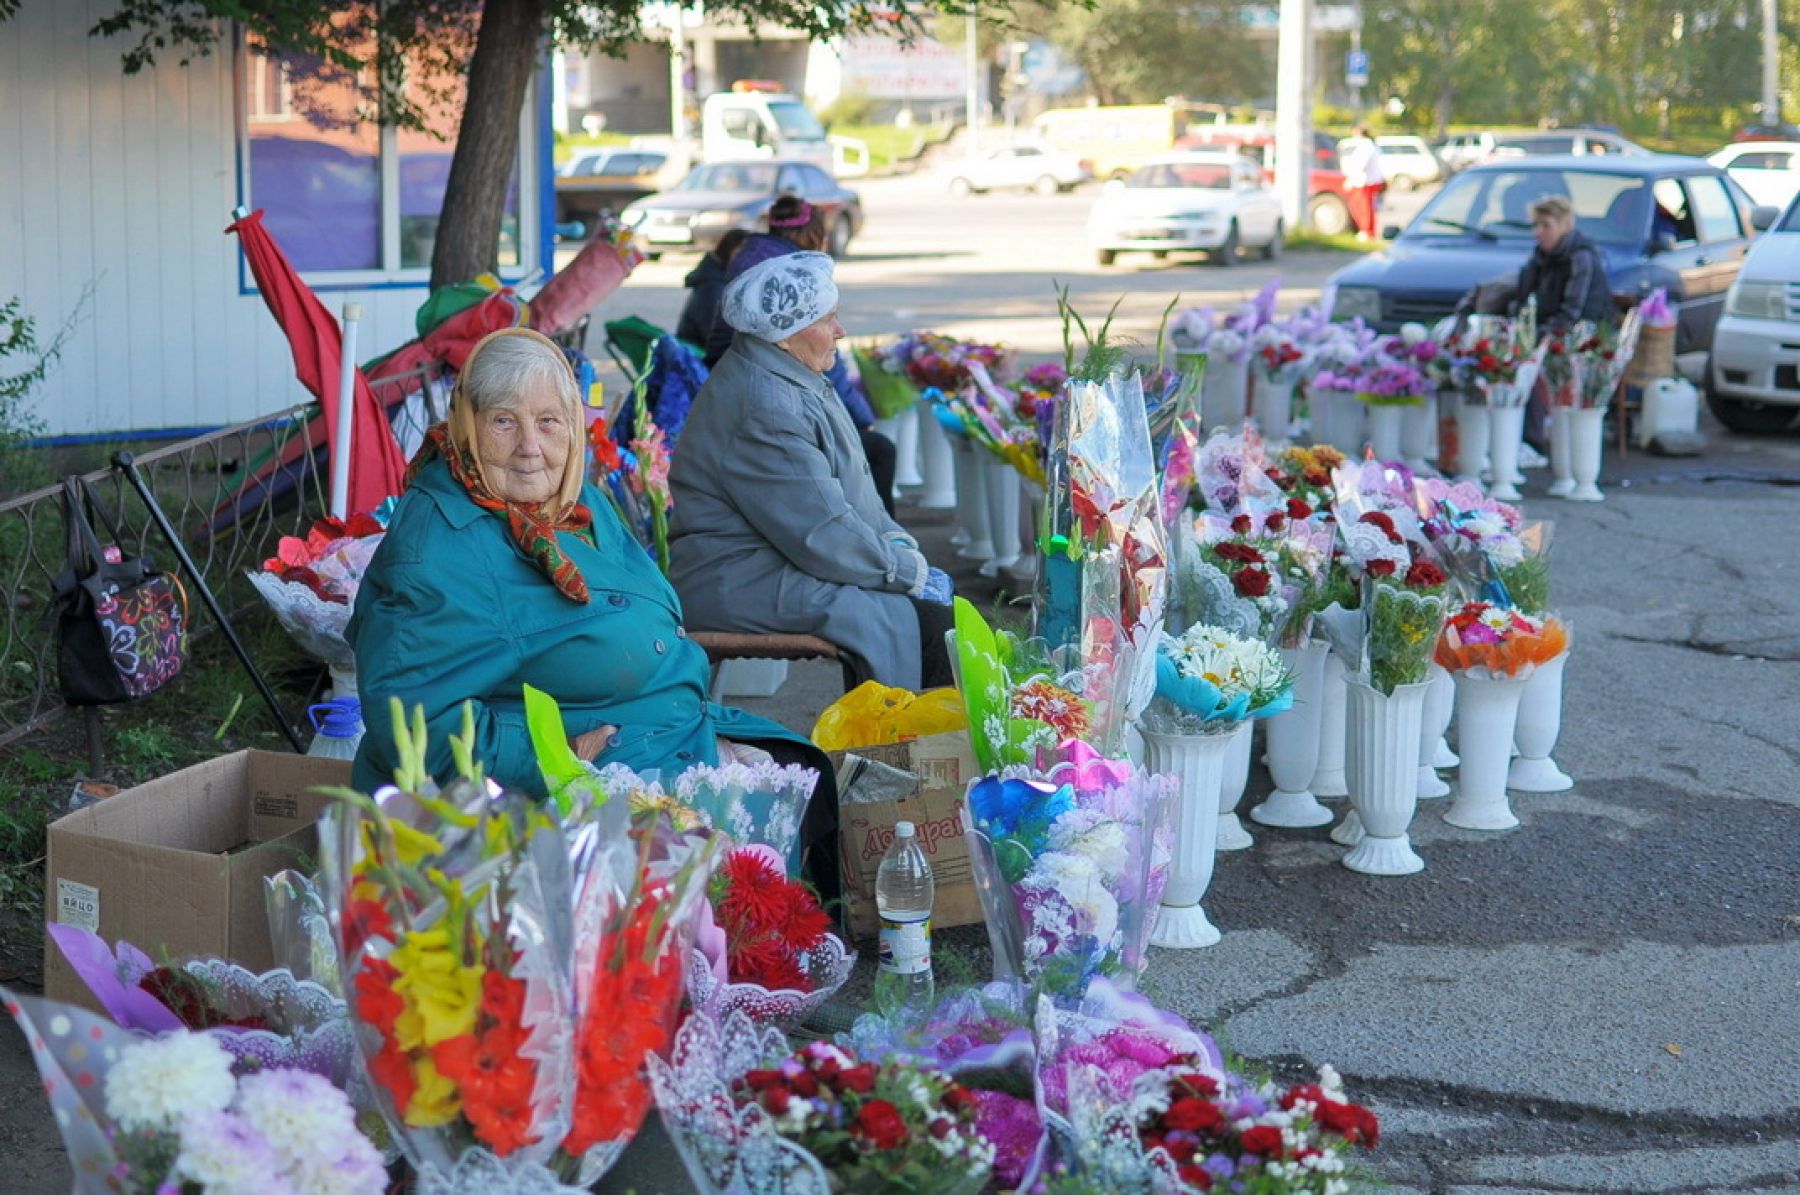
column 736, row 125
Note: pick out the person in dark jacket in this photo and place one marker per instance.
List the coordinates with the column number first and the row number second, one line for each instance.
column 706, row 285
column 797, row 226
column 1567, row 272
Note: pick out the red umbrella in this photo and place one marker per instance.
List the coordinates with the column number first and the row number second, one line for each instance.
column 377, row 467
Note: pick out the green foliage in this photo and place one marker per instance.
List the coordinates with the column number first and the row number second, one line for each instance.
column 25, row 362
column 850, row 108
column 148, row 749
column 1529, row 584
column 1145, row 51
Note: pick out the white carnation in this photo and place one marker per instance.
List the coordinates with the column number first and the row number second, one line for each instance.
column 155, row 1085
column 302, row 1115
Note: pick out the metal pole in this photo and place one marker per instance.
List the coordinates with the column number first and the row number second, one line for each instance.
column 342, row 444
column 1293, row 111
column 677, row 80
column 972, row 55
column 126, row 463
column 1771, row 64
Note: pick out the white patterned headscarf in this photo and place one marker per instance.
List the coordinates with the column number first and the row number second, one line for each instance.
column 781, row 296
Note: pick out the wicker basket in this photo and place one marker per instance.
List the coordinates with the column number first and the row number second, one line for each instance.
column 1655, row 357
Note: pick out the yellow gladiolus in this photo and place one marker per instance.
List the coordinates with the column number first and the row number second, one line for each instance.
column 435, row 1101
column 441, row 995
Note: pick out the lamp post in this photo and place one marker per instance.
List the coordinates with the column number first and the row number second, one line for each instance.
column 1293, row 111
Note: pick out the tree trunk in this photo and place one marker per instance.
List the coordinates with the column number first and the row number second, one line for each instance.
column 487, row 142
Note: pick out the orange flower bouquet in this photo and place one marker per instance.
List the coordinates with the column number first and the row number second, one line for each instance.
column 452, row 919
column 1502, row 641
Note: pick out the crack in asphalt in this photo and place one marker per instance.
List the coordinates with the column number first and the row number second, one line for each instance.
column 1726, row 650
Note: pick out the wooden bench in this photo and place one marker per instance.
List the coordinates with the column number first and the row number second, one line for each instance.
column 739, row 645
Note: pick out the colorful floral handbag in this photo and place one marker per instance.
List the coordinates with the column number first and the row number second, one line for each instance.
column 121, row 623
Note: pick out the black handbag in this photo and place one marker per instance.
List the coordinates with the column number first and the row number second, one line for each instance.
column 121, row 623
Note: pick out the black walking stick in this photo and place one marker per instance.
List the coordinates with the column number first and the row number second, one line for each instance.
column 126, row 463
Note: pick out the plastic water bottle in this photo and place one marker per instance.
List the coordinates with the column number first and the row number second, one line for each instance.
column 903, row 894
column 339, row 728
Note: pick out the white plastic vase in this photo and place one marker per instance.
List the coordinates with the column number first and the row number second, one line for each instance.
column 1434, row 719
column 971, row 501
column 1198, row 764
column 1384, row 430
column 1539, row 724
column 1418, row 431
column 1272, row 406
column 1471, row 442
column 1348, row 832
column 1487, row 708
column 1443, row 706
column 1347, row 416
column 1328, row 780
column 1002, row 488
column 1232, row 836
column 1561, row 469
column 1224, row 394
column 1291, row 739
column 1382, row 752
column 1585, row 439
column 906, row 448
column 1506, row 430
column 1031, row 522
column 936, row 465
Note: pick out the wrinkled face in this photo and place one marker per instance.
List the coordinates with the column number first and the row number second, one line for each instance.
column 815, row 346
column 523, row 448
column 1550, row 230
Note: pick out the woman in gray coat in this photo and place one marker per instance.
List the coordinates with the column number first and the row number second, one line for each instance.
column 777, row 526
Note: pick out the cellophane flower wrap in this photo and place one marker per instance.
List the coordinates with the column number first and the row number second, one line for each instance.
column 1070, row 868
column 1499, row 641
column 749, row 1114
column 1281, row 351
column 1491, row 553
column 760, row 802
column 452, row 911
column 1209, row 679
column 1598, row 358
column 763, row 945
column 149, row 1115
column 885, row 381
column 1404, row 615
column 311, row 582
column 1259, row 576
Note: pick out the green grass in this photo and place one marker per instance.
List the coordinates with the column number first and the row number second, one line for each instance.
column 1343, row 242
column 568, row 143
column 890, row 145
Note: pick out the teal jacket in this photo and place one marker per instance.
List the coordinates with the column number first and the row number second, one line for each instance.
column 451, row 610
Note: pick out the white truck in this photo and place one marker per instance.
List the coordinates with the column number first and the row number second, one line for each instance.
column 750, row 122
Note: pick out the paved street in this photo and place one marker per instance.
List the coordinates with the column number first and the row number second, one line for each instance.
column 1605, row 999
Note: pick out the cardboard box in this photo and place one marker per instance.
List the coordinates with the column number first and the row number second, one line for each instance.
column 176, row 866
column 941, row 767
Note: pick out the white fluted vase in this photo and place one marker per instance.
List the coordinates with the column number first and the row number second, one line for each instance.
column 1224, row 394
column 972, row 502
column 1487, row 708
column 1031, row 521
column 937, row 466
column 1471, row 441
column 1328, row 780
column 906, row 448
column 1506, row 430
column 1291, row 740
column 1384, row 430
column 1232, row 835
column 1272, row 406
column 1535, row 734
column 1382, row 752
column 1443, row 707
column 1562, row 471
column 1585, row 440
column 1003, row 513
column 1197, row 761
column 1418, row 428
column 1434, row 718
column 1347, row 420
column 1348, row 832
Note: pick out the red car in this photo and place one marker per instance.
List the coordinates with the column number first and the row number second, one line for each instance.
column 1327, row 207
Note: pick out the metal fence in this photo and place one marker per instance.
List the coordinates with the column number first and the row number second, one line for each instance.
column 197, row 483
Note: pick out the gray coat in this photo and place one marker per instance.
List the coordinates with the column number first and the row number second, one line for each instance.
column 777, row 526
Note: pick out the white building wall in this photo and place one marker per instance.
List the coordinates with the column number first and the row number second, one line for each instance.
column 129, row 182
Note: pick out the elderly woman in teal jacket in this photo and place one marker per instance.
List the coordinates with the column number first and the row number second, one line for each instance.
column 501, row 569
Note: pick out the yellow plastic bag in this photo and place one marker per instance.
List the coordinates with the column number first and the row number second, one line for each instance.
column 873, row 714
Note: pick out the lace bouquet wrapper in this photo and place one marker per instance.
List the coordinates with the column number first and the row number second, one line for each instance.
column 172, row 1112
column 1070, row 870
column 763, row 945
column 452, row 911
column 263, row 1021
column 750, row 1115
column 750, row 803
column 311, row 584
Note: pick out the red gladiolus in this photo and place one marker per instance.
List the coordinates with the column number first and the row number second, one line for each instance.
column 880, row 1124
column 377, row 1003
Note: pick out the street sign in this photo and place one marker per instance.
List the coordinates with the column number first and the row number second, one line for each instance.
column 1356, row 68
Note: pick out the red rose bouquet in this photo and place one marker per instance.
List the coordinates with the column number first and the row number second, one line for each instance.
column 311, row 582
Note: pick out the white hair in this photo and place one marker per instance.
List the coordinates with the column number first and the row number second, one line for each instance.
column 495, row 378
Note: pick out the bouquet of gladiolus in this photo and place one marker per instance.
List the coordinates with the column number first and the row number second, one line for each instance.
column 1500, row 640
column 454, row 935
column 630, row 467
column 1070, row 868
column 164, row 1114
column 310, row 583
column 1208, row 680
column 747, row 1113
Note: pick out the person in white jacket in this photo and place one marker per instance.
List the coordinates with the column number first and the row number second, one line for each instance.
column 1364, row 179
